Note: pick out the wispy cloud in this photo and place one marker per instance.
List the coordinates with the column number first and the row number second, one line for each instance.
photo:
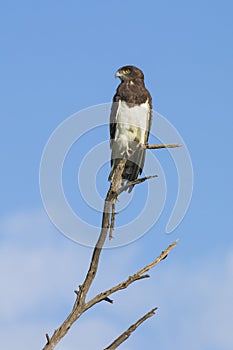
column 40, row 270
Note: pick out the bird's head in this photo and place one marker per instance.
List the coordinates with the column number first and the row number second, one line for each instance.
column 129, row 73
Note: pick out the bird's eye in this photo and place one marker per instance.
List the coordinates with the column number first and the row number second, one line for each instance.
column 126, row 71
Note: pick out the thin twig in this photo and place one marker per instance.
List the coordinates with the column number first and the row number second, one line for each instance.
column 168, row 145
column 162, row 256
column 137, row 276
column 47, row 338
column 134, row 182
column 108, row 300
column 124, row 336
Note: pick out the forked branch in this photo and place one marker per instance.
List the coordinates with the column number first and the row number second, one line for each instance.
column 137, row 276
column 80, row 306
column 108, row 219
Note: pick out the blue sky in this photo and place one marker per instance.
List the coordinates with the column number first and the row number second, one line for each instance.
column 59, row 57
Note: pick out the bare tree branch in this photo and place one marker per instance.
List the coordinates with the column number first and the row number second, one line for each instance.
column 108, row 220
column 168, row 145
column 137, row 276
column 135, row 182
column 124, row 336
column 79, row 305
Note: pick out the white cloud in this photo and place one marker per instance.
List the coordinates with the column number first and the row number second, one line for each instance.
column 40, row 269
column 195, row 305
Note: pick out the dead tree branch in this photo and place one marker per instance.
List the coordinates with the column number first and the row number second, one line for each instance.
column 168, row 145
column 124, row 336
column 79, row 306
column 135, row 182
column 108, row 220
column 137, row 276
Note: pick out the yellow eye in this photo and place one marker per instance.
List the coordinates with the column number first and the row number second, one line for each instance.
column 126, row 71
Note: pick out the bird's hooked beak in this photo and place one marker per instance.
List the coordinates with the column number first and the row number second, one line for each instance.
column 118, row 74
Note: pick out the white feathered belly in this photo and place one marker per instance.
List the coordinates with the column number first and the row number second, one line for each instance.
column 132, row 125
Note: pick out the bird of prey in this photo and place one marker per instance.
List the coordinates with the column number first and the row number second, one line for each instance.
column 130, row 123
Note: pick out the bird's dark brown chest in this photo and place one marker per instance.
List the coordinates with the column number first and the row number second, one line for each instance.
column 133, row 93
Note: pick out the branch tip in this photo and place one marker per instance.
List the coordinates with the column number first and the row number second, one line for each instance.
column 125, row 335
column 154, row 309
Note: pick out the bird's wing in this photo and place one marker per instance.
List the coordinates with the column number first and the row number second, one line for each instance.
column 113, row 118
column 146, row 137
column 135, row 164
